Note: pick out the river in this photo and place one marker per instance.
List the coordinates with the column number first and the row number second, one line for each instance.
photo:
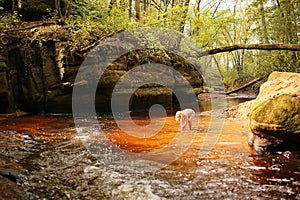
column 46, row 159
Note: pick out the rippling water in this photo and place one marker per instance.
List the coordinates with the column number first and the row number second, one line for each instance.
column 59, row 166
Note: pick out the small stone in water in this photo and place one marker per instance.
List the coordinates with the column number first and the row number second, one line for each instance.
column 91, row 169
column 275, row 167
column 287, row 154
column 126, row 188
column 26, row 137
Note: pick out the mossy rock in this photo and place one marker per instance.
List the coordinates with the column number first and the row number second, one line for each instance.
column 275, row 114
column 281, row 114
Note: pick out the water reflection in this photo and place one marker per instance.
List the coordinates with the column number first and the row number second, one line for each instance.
column 59, row 167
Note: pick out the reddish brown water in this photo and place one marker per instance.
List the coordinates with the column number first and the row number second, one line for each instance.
column 58, row 166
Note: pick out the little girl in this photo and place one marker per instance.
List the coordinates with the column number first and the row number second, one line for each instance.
column 185, row 116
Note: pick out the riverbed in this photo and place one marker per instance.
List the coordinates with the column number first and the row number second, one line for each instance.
column 44, row 157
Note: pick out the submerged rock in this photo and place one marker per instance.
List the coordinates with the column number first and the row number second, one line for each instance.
column 275, row 114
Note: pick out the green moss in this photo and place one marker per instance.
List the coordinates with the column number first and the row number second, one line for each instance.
column 3, row 65
column 283, row 110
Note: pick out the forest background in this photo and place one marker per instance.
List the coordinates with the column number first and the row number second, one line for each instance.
column 212, row 24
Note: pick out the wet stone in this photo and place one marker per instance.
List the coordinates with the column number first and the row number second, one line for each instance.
column 12, row 172
column 10, row 190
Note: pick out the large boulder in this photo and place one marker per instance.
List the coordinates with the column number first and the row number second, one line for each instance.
column 275, row 114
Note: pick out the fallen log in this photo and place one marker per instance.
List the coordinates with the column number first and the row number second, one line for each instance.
column 268, row 47
column 31, row 26
column 246, row 85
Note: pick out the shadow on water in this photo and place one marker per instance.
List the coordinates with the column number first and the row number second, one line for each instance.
column 47, row 161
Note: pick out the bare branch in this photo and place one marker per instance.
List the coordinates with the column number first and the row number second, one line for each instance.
column 269, row 47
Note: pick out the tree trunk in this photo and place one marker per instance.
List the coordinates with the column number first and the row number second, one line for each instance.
column 130, row 8
column 137, row 5
column 184, row 15
column 145, row 5
column 269, row 47
column 264, row 37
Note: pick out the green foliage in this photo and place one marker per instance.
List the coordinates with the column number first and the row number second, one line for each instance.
column 173, row 17
column 7, row 20
column 210, row 24
column 92, row 20
column 209, row 31
column 3, row 65
column 281, row 26
column 259, row 22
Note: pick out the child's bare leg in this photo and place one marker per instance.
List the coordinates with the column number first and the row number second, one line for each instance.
column 190, row 125
column 183, row 123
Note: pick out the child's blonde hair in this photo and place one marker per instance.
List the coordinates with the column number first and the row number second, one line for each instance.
column 178, row 115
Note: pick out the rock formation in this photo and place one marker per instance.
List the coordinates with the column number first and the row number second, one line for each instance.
column 275, row 114
column 38, row 68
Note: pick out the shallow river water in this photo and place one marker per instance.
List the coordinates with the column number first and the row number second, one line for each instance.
column 48, row 160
